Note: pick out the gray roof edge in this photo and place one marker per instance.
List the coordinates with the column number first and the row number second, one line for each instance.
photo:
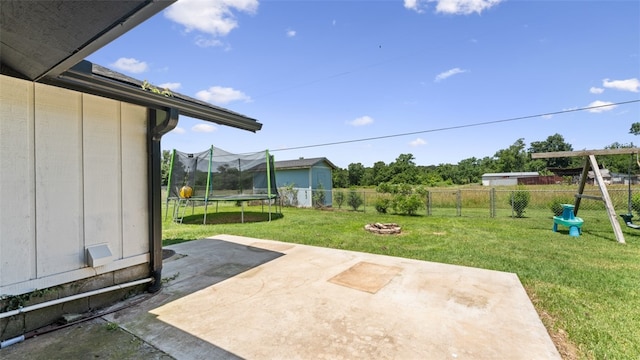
column 302, row 163
column 148, row 9
column 95, row 79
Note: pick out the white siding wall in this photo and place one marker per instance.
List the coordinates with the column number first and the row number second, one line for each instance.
column 17, row 188
column 73, row 174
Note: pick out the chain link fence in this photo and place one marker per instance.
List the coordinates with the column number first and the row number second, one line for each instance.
column 480, row 202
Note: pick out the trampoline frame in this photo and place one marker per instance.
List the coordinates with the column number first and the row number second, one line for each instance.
column 242, row 198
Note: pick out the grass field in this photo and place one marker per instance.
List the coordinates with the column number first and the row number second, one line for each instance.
column 586, row 289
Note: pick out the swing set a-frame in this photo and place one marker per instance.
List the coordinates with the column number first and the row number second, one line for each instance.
column 591, row 163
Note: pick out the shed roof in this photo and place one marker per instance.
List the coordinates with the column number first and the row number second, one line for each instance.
column 511, row 174
column 46, row 41
column 302, row 163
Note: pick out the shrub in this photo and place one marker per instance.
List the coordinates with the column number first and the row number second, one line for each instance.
column 519, row 201
column 407, row 204
column 382, row 204
column 354, row 199
column 385, row 187
column 556, row 204
column 318, row 196
column 338, row 197
column 289, row 195
column 635, row 203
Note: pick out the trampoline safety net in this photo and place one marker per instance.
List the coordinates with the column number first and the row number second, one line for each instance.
column 218, row 175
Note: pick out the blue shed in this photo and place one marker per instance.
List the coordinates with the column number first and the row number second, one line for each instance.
column 298, row 179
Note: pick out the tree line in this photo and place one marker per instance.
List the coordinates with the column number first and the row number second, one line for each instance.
column 515, row 158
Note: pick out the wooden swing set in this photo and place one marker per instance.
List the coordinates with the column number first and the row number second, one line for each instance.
column 592, row 164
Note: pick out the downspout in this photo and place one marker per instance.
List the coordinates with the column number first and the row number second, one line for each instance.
column 159, row 122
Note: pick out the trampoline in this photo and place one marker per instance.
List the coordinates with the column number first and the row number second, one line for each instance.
column 215, row 175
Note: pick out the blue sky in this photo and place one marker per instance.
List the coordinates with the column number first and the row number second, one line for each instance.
column 319, row 72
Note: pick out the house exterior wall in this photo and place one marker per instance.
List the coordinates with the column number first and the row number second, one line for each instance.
column 321, row 175
column 305, row 181
column 298, row 177
column 74, row 174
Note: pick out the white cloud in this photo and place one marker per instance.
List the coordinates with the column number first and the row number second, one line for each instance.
column 418, row 142
column 204, row 42
column 455, row 7
column 204, row 128
column 414, row 5
column 464, row 7
column 600, row 106
column 130, row 65
column 170, row 86
column 596, row 90
column 361, row 121
column 291, row 33
column 222, row 95
column 624, row 85
column 212, row 17
column 449, row 73
column 178, row 130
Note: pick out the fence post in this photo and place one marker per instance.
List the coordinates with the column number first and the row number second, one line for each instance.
column 492, row 202
column 459, row 202
column 428, row 203
column 364, row 201
column 511, row 198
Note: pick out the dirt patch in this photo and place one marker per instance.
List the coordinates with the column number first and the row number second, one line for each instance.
column 567, row 349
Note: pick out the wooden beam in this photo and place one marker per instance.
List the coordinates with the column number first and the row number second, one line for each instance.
column 582, row 196
column 560, row 154
column 613, row 217
column 583, row 182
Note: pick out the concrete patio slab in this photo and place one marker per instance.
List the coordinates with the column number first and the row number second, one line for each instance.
column 257, row 299
column 230, row 297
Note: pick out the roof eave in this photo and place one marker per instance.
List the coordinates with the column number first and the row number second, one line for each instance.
column 127, row 22
column 76, row 79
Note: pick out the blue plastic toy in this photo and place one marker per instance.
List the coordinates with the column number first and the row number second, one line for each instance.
column 568, row 219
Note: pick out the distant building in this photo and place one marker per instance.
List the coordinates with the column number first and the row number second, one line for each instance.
column 306, row 176
column 505, row 179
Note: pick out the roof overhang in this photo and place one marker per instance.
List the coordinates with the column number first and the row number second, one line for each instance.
column 97, row 80
column 47, row 42
column 45, row 38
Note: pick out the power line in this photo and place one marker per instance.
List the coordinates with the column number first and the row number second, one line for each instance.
column 455, row 127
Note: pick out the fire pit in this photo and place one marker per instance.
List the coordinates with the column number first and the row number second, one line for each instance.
column 385, row 229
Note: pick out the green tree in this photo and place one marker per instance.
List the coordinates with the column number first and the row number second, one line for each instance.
column 513, row 158
column 617, row 163
column 404, row 170
column 553, row 143
column 340, row 178
column 356, row 173
column 635, row 128
column 165, row 167
column 381, row 173
column 468, row 171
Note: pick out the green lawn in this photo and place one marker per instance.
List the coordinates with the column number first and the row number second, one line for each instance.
column 585, row 289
